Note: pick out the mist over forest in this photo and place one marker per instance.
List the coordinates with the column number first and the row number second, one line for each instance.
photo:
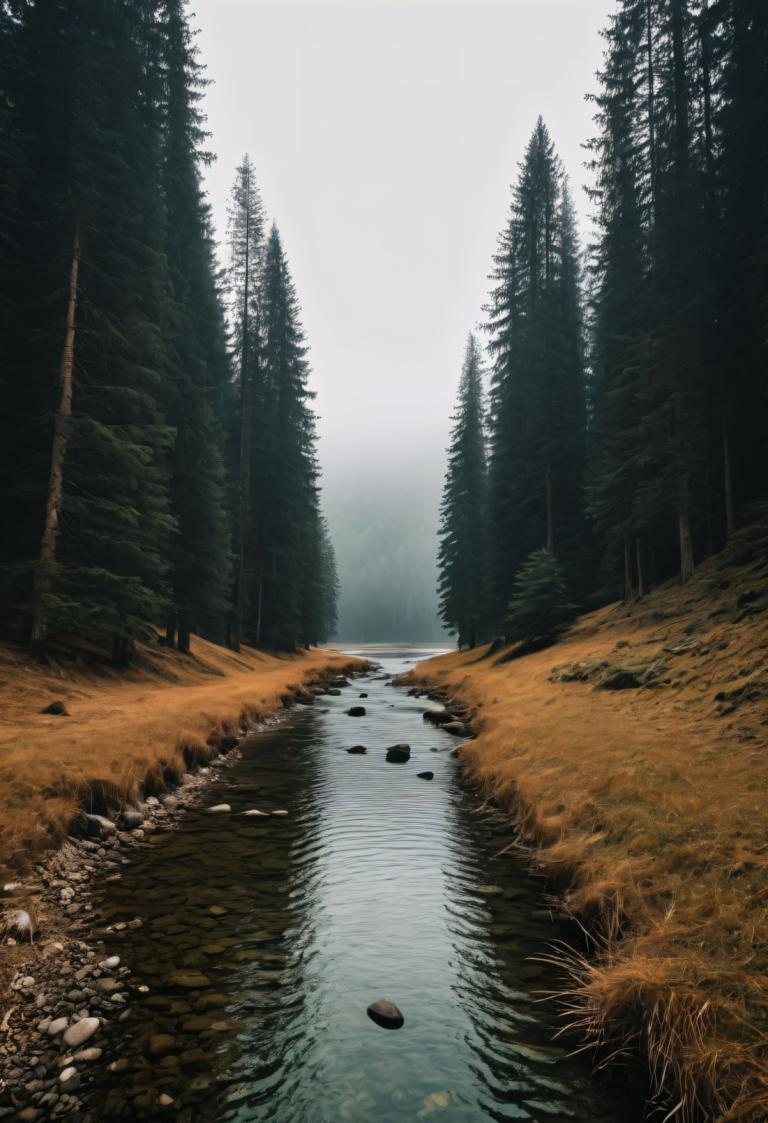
column 385, row 551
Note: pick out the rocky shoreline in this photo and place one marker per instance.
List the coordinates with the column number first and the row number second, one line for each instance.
column 65, row 999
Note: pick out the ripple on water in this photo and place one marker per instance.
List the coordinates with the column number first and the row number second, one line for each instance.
column 265, row 938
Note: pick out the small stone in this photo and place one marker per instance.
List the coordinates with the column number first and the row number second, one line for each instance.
column 279, row 812
column 111, row 964
column 253, row 812
column 219, row 808
column 357, row 750
column 69, row 1078
column 164, row 1100
column 87, row 1056
column 426, row 775
column 57, row 708
column 385, row 1014
column 356, row 711
column 57, row 1026
column 81, row 1032
column 160, row 1045
column 189, row 980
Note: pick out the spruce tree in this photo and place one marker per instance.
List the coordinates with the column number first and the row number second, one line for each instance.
column 245, row 237
column 197, row 391
column 463, row 534
column 537, row 391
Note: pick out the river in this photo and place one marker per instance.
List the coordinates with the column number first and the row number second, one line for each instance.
column 264, row 938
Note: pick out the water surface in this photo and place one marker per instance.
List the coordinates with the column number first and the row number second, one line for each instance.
column 375, row 884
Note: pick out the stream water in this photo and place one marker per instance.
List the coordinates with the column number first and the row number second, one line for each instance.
column 265, row 938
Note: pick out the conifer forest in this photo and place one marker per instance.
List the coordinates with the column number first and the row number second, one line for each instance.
column 158, row 447
column 383, row 561
column 623, row 435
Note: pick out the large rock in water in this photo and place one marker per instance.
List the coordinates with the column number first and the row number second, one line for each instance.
column 438, row 717
column 426, row 775
column 356, row 711
column 385, row 1014
column 398, row 754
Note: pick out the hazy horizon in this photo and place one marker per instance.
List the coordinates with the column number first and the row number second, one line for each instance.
column 385, row 138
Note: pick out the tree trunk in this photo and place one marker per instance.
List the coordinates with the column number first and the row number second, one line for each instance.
column 686, row 542
column 639, row 567
column 730, row 514
column 184, row 633
column 550, row 512
column 170, row 628
column 629, row 587
column 38, row 644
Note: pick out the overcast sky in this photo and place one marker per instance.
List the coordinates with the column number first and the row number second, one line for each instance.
column 385, row 136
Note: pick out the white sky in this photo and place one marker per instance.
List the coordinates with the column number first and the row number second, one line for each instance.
column 385, row 137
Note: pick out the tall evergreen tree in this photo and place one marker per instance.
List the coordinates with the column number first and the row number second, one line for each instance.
column 284, row 472
column 198, row 361
column 463, row 534
column 537, row 393
column 246, row 244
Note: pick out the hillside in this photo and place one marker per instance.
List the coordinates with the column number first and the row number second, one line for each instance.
column 633, row 755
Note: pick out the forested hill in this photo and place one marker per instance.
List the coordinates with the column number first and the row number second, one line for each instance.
column 623, row 436
column 157, row 438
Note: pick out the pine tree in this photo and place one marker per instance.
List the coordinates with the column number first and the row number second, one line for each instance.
column 246, row 244
column 537, row 392
column 284, row 472
column 463, row 534
column 539, row 608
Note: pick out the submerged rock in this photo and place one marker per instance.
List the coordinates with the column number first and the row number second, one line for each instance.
column 398, row 754
column 218, row 808
column 385, row 1014
column 333, row 691
column 357, row 750
column 356, row 711
column 425, row 775
column 254, row 812
column 280, row 812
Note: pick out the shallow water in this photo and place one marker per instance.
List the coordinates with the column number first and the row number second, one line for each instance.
column 376, row 884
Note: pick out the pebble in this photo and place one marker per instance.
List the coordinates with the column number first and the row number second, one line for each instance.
column 219, row 807
column 69, row 1078
column 54, row 1028
column 81, row 1032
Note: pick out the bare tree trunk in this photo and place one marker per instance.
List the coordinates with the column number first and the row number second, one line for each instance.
column 686, row 541
column 184, row 631
column 639, row 566
column 629, row 588
column 258, row 609
column 550, row 512
column 170, row 628
column 730, row 514
column 38, row 645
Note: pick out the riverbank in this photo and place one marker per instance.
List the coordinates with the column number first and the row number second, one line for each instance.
column 632, row 756
column 125, row 734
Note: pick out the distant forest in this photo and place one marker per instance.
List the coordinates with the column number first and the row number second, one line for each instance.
column 157, row 438
column 623, row 434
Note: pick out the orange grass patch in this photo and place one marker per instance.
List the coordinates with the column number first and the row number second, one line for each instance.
column 650, row 808
column 129, row 733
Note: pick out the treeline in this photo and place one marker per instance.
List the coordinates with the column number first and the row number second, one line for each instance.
column 157, row 441
column 625, row 430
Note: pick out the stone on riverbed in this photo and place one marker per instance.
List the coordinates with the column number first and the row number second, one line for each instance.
column 98, row 826
column 385, row 1014
column 130, row 819
column 438, row 717
column 17, row 925
column 356, row 711
column 357, row 750
column 161, row 1045
column 253, row 811
column 219, row 808
column 457, row 728
column 425, row 775
column 398, row 754
column 189, row 980
column 57, row 1026
column 281, row 812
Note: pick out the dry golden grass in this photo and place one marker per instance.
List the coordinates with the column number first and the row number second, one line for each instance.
column 649, row 808
column 127, row 733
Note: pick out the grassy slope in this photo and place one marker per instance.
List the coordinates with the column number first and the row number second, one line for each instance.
column 124, row 730
column 649, row 805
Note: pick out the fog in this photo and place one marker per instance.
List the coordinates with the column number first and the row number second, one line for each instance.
column 385, row 137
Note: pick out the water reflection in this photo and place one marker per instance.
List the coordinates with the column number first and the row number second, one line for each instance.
column 264, row 939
